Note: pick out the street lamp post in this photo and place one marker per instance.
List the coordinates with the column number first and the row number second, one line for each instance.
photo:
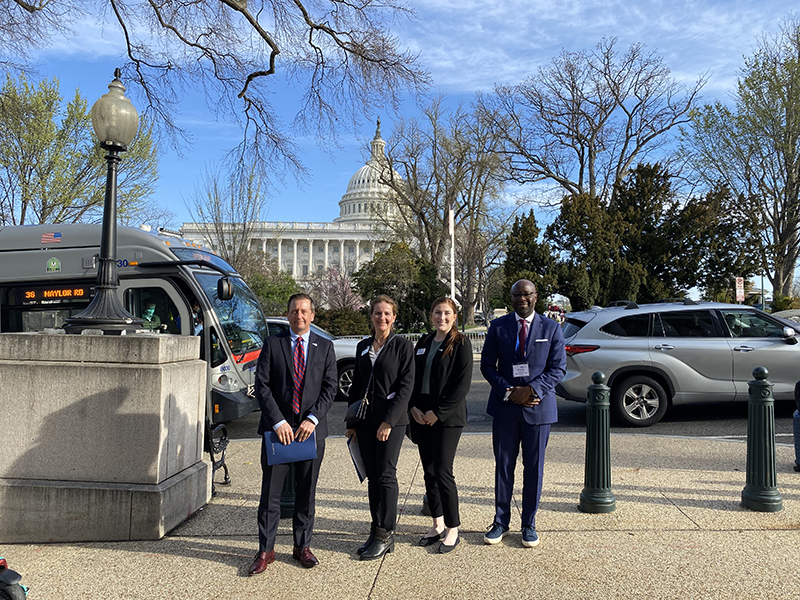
column 115, row 122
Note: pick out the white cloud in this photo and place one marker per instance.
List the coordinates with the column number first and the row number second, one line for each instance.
column 470, row 45
column 90, row 40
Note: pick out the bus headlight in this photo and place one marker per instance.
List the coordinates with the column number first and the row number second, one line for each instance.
column 226, row 383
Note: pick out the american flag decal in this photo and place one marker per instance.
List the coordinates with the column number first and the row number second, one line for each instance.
column 51, row 238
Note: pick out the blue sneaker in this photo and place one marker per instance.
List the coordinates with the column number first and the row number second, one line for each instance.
column 495, row 534
column 529, row 537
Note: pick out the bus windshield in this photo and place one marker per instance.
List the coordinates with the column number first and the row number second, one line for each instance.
column 243, row 323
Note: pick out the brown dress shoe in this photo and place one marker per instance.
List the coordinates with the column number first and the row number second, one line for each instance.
column 261, row 561
column 306, row 558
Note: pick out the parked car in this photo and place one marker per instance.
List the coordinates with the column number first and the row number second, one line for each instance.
column 345, row 352
column 656, row 355
column 792, row 314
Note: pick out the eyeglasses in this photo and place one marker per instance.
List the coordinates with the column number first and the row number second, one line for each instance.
column 526, row 295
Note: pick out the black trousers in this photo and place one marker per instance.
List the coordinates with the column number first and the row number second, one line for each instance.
column 269, row 506
column 437, row 452
column 380, row 462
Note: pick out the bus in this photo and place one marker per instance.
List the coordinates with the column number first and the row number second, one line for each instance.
column 48, row 274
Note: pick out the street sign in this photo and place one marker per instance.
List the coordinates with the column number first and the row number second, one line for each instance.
column 740, row 289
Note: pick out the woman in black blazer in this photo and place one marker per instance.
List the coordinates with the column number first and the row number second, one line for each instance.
column 384, row 373
column 438, row 406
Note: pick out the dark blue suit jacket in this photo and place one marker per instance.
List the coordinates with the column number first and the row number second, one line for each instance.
column 275, row 381
column 547, row 364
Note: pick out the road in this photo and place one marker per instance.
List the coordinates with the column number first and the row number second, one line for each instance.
column 722, row 420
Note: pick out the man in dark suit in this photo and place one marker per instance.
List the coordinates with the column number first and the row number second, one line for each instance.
column 523, row 359
column 295, row 386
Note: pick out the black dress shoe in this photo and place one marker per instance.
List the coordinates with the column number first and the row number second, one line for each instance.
column 444, row 548
column 370, row 539
column 305, row 556
column 261, row 561
column 383, row 544
column 430, row 540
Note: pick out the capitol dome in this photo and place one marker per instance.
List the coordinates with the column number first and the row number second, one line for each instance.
column 366, row 196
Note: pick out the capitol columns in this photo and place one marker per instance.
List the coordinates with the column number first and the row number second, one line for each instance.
column 294, row 260
column 326, row 254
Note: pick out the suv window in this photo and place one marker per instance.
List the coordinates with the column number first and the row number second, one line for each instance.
column 685, row 323
column 630, row 326
column 276, row 328
column 571, row 326
column 750, row 324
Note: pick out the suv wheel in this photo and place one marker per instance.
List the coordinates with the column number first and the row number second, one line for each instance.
column 345, row 379
column 639, row 401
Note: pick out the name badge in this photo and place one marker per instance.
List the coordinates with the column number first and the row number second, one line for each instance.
column 520, row 370
column 420, row 351
column 365, row 351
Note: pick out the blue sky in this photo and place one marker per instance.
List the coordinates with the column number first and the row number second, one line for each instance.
column 468, row 46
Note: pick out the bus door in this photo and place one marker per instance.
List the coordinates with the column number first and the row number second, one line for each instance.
column 158, row 304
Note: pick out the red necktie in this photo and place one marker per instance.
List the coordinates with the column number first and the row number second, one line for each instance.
column 299, row 374
column 523, row 337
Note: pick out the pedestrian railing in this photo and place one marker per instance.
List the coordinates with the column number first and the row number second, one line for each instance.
column 475, row 337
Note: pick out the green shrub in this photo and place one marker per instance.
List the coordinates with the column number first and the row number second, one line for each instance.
column 785, row 303
column 343, row 321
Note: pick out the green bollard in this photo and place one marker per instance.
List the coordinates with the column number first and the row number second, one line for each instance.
column 596, row 496
column 761, row 491
column 287, row 494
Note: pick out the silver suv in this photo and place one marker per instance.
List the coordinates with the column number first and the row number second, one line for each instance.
column 656, row 355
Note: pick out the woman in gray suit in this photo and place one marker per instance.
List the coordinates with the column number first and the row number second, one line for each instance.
column 438, row 407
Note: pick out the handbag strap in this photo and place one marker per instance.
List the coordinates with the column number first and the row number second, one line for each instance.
column 365, row 400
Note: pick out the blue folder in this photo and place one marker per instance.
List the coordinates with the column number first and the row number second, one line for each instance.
column 278, row 454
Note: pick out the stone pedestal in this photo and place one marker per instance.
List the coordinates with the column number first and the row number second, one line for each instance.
column 102, row 436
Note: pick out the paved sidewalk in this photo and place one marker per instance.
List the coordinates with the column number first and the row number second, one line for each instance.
column 678, row 532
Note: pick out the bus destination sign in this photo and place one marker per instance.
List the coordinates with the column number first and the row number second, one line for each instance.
column 51, row 294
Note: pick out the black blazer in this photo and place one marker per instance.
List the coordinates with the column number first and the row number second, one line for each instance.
column 450, row 380
column 275, row 381
column 392, row 375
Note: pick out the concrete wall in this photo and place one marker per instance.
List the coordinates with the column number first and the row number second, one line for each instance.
column 105, row 431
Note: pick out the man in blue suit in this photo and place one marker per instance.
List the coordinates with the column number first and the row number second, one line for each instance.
column 523, row 359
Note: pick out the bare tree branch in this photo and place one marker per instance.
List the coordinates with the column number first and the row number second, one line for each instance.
column 584, row 121
column 342, row 54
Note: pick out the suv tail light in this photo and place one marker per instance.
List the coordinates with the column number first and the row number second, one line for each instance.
column 574, row 349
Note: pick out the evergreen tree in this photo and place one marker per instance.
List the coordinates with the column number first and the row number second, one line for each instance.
column 529, row 257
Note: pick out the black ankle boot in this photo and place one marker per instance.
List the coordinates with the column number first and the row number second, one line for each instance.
column 370, row 539
column 383, row 544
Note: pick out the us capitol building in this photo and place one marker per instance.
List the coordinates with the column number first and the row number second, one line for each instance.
column 350, row 241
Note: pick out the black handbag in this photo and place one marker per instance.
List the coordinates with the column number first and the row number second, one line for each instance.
column 357, row 411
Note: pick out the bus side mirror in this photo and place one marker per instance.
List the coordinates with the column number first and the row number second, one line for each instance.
column 224, row 289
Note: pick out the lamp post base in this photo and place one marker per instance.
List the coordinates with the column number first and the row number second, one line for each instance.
column 104, row 314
